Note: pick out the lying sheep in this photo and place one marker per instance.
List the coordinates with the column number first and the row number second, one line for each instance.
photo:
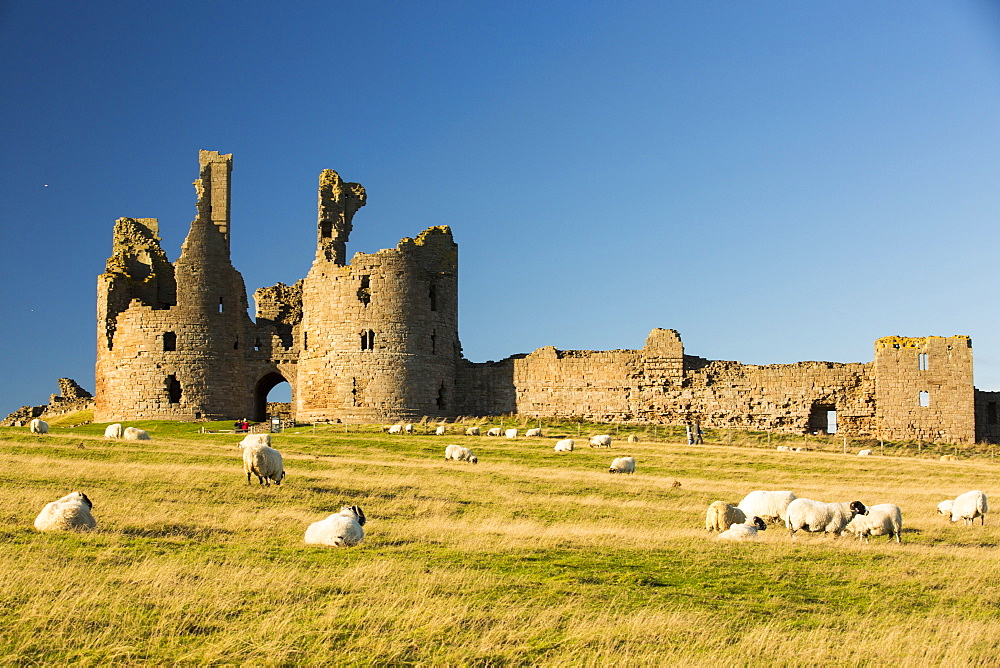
column 949, row 458
column 264, row 462
column 396, row 429
column 71, row 512
column 537, row 431
column 135, row 434
column 865, row 453
column 495, row 431
column 113, row 431
column 600, row 441
column 884, row 519
column 769, row 506
column 460, row 453
column 815, row 516
column 784, row 448
column 472, row 431
column 966, row 507
column 720, row 516
column 746, row 531
column 510, row 433
column 565, row 445
column 632, row 438
column 38, row 426
column 622, row 465
column 341, row 529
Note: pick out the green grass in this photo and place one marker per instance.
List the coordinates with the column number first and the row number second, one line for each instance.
column 527, row 558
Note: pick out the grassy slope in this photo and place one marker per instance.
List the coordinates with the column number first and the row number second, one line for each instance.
column 528, row 557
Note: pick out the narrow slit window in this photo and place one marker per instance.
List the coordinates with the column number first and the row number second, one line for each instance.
column 434, row 342
column 305, row 340
column 925, row 399
column 433, row 295
column 922, row 362
column 367, row 340
column 256, row 345
column 220, row 305
column 365, row 291
column 441, row 403
column 236, row 344
column 169, row 341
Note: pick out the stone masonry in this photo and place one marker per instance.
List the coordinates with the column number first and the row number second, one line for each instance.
column 376, row 340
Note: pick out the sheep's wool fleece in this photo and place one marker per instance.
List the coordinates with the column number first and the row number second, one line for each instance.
column 71, row 512
column 337, row 530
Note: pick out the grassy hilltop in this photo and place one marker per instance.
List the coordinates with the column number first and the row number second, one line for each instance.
column 528, row 557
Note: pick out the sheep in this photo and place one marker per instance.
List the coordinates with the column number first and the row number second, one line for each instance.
column 865, row 453
column 495, row 431
column 784, row 448
column 71, row 512
column 472, row 431
column 537, row 431
column 510, row 433
column 800, row 449
column 113, row 431
column 746, row 531
column 262, row 461
column 949, row 458
column 135, row 434
column 622, row 465
column 720, row 516
column 460, row 454
column 819, row 516
column 884, row 519
column 255, row 439
column 632, row 438
column 38, row 426
column 565, row 445
column 600, row 441
column 408, row 428
column 966, row 507
column 769, row 506
column 396, row 429
column 440, row 431
column 341, row 529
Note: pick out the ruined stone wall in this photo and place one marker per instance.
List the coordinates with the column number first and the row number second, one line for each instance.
column 923, row 388
column 987, row 417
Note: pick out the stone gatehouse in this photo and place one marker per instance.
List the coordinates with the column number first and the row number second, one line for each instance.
column 376, row 339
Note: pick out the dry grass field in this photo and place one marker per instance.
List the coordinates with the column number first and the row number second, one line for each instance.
column 527, row 558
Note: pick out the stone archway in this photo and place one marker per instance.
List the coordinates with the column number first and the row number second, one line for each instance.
column 264, row 385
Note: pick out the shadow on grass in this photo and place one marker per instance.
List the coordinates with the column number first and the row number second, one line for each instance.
column 176, row 530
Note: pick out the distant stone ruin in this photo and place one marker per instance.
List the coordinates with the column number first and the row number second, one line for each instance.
column 71, row 398
column 376, row 340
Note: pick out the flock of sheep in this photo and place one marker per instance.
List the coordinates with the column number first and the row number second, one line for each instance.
column 743, row 521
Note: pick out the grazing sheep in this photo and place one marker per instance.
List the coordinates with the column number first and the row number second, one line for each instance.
column 37, row 426
column 71, row 512
column 884, row 519
column 255, row 439
column 632, row 438
column 944, row 508
column 746, row 531
column 264, row 462
column 440, row 431
column 396, row 429
column 510, row 433
column 769, row 506
column 720, row 516
column 495, row 431
column 968, row 507
column 865, row 453
column 135, row 434
column 408, row 428
column 949, row 458
column 341, row 529
column 819, row 516
column 601, row 441
column 460, row 453
column 622, row 465
column 565, row 445
column 784, row 448
column 113, row 431
column 472, row 431
column 537, row 431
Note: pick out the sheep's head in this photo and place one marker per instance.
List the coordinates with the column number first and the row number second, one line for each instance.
column 474, row 459
column 759, row 523
column 356, row 511
column 858, row 508
column 281, row 477
column 944, row 508
column 84, row 497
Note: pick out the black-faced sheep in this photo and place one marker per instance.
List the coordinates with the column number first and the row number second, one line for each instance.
column 622, row 465
column 883, row 519
column 71, row 512
column 262, row 461
column 460, row 454
column 746, row 531
column 341, row 529
column 810, row 515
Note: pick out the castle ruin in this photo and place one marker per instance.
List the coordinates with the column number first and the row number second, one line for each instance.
column 376, row 340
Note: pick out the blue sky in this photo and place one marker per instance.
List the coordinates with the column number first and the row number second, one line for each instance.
column 779, row 181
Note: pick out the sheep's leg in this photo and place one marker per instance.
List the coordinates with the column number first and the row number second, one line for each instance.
column 248, row 478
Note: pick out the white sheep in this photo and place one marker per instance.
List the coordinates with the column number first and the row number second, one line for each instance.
column 769, row 506
column 341, row 529
column 495, row 431
column 472, row 431
column 408, row 428
column 565, row 445
column 460, row 453
column 632, row 438
column 440, row 431
column 865, row 453
column 948, row 458
column 71, row 512
column 537, row 431
column 720, row 516
column 800, row 448
column 38, row 426
column 600, row 441
column 966, row 507
column 746, row 531
column 135, row 434
column 396, row 429
column 883, row 519
column 510, row 433
column 113, row 431
column 622, row 465
column 255, row 439
column 264, row 462
column 784, row 448
column 814, row 516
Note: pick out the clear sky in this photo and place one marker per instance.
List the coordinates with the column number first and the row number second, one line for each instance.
column 778, row 181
